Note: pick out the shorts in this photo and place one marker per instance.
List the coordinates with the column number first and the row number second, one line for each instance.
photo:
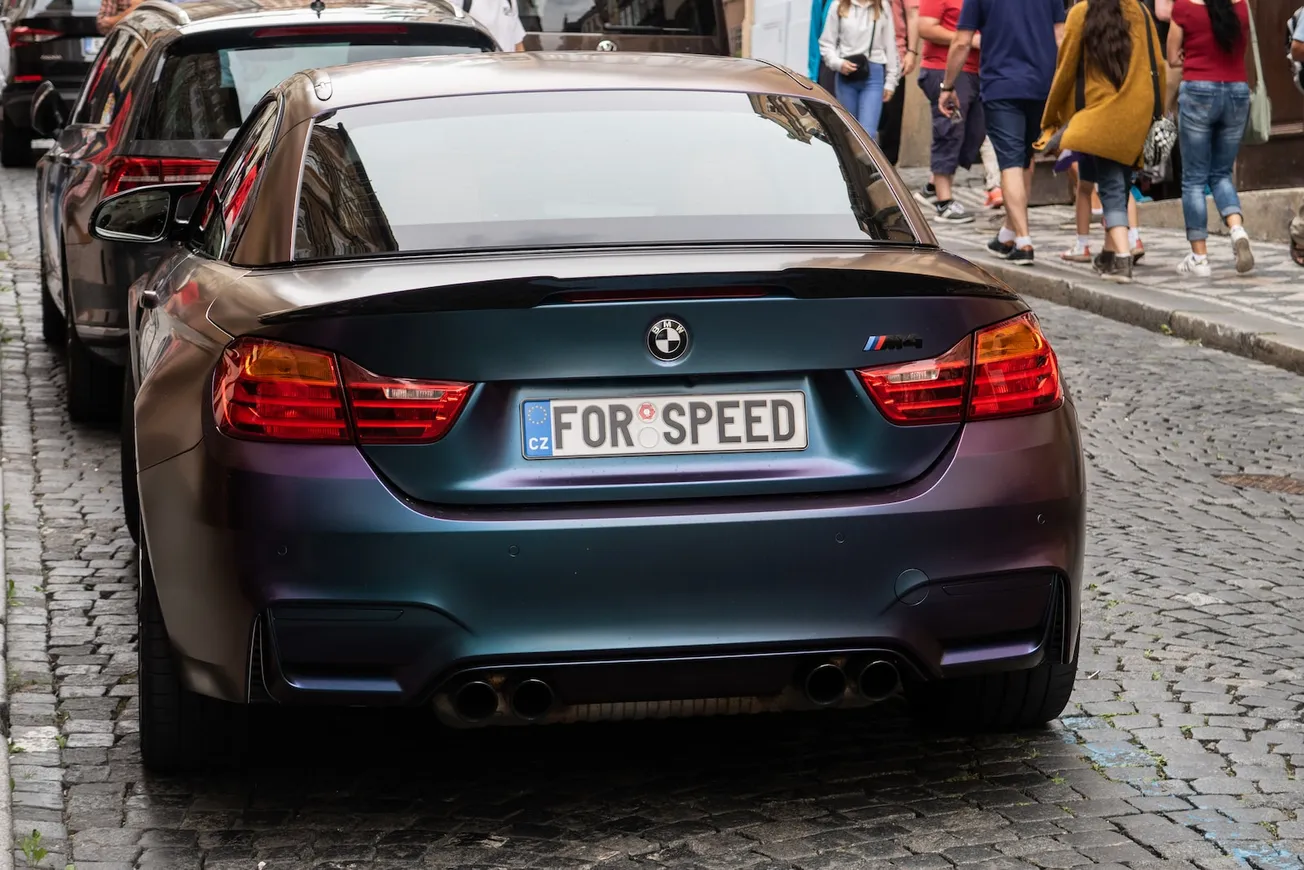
column 954, row 144
column 1013, row 126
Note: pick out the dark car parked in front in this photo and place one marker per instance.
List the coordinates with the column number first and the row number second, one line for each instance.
column 48, row 41
column 171, row 87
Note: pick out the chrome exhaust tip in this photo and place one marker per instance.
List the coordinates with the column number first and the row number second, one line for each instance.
column 475, row 701
column 825, row 685
column 532, row 699
column 878, row 680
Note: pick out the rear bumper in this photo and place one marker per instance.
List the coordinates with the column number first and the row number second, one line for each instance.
column 297, row 573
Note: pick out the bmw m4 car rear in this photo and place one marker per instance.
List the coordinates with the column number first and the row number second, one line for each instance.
column 687, row 414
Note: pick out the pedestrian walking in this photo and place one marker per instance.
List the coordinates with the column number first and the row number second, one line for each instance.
column 1208, row 39
column 958, row 136
column 991, row 173
column 501, row 18
column 859, row 43
column 905, row 23
column 1014, row 75
column 1101, row 106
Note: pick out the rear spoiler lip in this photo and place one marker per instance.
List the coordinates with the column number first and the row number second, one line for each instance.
column 537, row 291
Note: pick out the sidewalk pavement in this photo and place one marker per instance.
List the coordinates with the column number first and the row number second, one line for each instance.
column 1259, row 315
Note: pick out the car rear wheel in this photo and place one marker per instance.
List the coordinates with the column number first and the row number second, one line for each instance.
column 15, row 144
column 92, row 383
column 130, row 495
column 179, row 729
column 997, row 702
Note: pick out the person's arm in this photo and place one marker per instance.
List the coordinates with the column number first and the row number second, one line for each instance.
column 1297, row 50
column 106, row 21
column 1175, row 37
column 1060, row 15
column 1164, row 10
column 892, row 69
column 1059, row 34
column 912, row 37
column 932, row 30
column 955, row 59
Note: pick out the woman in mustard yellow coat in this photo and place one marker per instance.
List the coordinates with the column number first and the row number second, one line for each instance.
column 1104, row 92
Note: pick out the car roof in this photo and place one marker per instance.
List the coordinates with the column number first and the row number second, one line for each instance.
column 315, row 91
column 201, row 16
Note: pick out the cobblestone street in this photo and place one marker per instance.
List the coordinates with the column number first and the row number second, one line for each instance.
column 1181, row 748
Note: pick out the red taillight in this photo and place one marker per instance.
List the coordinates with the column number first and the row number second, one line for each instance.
column 1003, row 371
column 274, row 392
column 927, row 391
column 22, row 35
column 26, row 80
column 268, row 391
column 124, row 173
column 1015, row 371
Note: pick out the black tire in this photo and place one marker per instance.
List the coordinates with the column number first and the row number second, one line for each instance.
column 130, row 495
column 53, row 325
column 15, row 144
column 179, row 729
column 93, row 385
column 53, row 328
column 1010, row 701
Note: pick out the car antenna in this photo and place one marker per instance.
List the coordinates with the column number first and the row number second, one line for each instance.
column 318, row 6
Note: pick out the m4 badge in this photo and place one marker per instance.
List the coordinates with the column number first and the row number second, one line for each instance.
column 894, row 342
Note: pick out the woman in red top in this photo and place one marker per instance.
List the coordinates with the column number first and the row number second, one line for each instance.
column 1208, row 40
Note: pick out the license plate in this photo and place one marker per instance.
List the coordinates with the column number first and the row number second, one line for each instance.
column 656, row 425
column 91, row 46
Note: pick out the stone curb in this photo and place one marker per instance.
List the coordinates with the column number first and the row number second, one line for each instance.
column 1194, row 318
column 6, row 791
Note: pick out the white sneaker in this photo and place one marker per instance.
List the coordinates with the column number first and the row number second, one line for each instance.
column 1241, row 248
column 1196, row 265
column 954, row 213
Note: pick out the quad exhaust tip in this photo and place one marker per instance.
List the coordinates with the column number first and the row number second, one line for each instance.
column 532, row 699
column 825, row 685
column 475, row 701
column 878, row 680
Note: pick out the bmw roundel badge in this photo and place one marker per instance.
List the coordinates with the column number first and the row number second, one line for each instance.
column 667, row 340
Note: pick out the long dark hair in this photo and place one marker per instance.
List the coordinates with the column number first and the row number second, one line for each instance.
column 1226, row 26
column 1107, row 39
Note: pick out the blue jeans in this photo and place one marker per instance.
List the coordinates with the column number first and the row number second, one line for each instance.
column 1113, row 182
column 1211, row 122
column 864, row 98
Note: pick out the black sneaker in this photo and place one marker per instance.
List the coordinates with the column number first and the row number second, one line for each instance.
column 954, row 213
column 927, row 196
column 1020, row 256
column 1114, row 268
column 1001, row 249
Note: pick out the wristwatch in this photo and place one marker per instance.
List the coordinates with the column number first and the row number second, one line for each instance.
column 946, row 87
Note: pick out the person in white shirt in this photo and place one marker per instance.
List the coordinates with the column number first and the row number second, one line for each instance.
column 859, row 44
column 501, row 19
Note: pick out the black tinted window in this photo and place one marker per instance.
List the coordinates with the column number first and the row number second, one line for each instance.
column 206, row 93
column 696, row 17
column 628, row 167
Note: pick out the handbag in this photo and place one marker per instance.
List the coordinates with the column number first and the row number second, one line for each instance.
column 1162, row 135
column 860, row 60
column 1258, row 126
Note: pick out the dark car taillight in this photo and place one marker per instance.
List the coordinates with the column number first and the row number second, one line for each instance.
column 271, row 391
column 24, row 35
column 1005, row 370
column 125, row 173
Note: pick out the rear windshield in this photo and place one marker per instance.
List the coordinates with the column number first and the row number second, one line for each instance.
column 615, row 167
column 206, row 93
column 687, row 17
